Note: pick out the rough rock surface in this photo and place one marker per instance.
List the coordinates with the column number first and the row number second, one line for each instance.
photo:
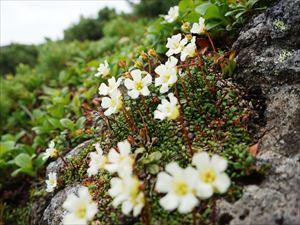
column 269, row 60
column 58, row 164
column 54, row 212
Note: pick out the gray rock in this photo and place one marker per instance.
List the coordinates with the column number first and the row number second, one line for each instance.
column 269, row 58
column 58, row 164
column 54, row 213
column 268, row 53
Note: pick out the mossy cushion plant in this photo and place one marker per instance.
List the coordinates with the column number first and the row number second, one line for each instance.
column 175, row 138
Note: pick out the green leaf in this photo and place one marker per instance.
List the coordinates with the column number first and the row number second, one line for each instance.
column 39, row 162
column 6, row 146
column 155, row 156
column 55, row 122
column 67, row 123
column 153, row 168
column 80, row 122
column 23, row 160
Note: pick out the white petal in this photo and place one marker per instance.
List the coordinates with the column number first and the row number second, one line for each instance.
column 126, row 207
column 163, row 183
column 161, row 69
column 113, row 156
column 222, row 183
column 136, row 75
column 129, row 84
column 169, row 202
column 174, row 169
column 145, row 91
column 159, row 115
column 137, row 209
column 201, row 160
column 71, row 219
column 70, row 203
column 187, row 203
column 109, row 111
column 83, row 193
column 164, row 88
column 218, row 163
column 204, row 190
column 106, row 102
column 147, row 79
column 134, row 94
column 124, row 148
column 103, row 89
column 91, row 211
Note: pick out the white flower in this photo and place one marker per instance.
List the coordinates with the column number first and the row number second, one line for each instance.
column 175, row 44
column 179, row 184
column 173, row 13
column 51, row 182
column 199, row 28
column 211, row 175
column 167, row 109
column 122, row 161
column 138, row 86
column 98, row 161
column 113, row 103
column 81, row 209
column 167, row 74
column 126, row 190
column 189, row 50
column 103, row 69
column 113, row 85
column 51, row 151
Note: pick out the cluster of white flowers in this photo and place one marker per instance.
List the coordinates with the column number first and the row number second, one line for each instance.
column 81, row 209
column 178, row 44
column 184, row 187
column 125, row 189
column 113, row 102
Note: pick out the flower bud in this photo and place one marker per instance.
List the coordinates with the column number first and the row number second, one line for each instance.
column 152, row 52
column 189, row 37
column 122, row 63
column 186, row 27
column 127, row 75
column 144, row 56
column 139, row 64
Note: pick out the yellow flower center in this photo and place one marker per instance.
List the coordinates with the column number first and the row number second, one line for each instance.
column 181, row 188
column 139, row 85
column 54, row 153
column 166, row 78
column 134, row 191
column 52, row 182
column 208, row 176
column 81, row 211
column 173, row 112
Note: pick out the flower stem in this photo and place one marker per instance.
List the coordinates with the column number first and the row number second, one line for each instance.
column 181, row 119
column 211, row 42
column 129, row 119
column 184, row 91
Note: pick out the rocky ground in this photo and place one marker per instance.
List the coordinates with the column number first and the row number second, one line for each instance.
column 269, row 63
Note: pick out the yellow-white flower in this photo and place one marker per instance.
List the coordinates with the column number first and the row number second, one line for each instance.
column 167, row 74
column 189, row 50
column 173, row 14
column 175, row 44
column 113, row 103
column 199, row 28
column 51, row 182
column 211, row 175
column 113, row 85
column 167, row 109
column 138, row 86
column 179, row 184
column 81, row 208
column 98, row 161
column 126, row 190
column 51, row 151
column 103, row 69
column 122, row 161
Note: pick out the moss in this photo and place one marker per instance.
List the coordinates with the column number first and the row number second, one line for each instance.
column 21, row 212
